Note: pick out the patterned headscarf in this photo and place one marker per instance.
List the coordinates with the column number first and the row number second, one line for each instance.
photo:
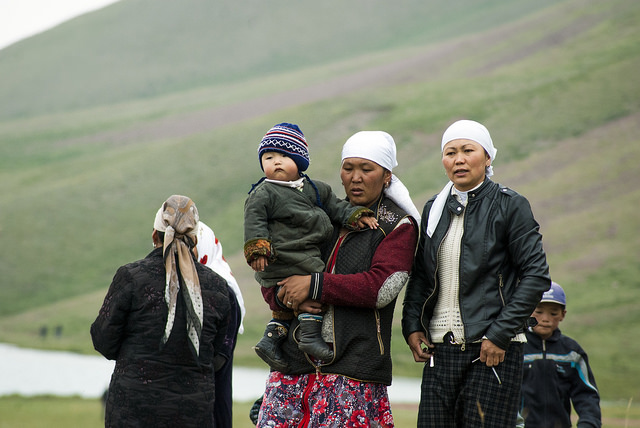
column 379, row 147
column 178, row 219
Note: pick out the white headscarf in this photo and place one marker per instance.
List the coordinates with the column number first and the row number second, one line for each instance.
column 379, row 147
column 210, row 255
column 474, row 131
column 467, row 130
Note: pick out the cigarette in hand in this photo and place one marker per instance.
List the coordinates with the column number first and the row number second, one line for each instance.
column 492, row 368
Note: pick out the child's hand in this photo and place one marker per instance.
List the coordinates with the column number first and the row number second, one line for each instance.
column 367, row 221
column 259, row 264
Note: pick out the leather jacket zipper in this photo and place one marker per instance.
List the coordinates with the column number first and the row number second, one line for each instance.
column 501, row 284
column 435, row 287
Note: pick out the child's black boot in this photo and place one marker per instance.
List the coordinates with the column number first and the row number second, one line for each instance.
column 311, row 337
column 269, row 346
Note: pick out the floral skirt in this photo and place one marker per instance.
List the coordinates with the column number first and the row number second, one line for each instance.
column 318, row 400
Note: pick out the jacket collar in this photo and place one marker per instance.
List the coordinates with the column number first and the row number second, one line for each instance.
column 455, row 207
column 534, row 338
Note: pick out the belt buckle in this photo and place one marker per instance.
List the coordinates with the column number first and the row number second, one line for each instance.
column 449, row 338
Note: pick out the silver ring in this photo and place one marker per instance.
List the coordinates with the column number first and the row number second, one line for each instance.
column 289, row 303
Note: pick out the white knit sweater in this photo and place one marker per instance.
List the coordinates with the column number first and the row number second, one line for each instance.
column 446, row 316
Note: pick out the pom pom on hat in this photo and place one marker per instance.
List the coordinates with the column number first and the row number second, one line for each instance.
column 288, row 139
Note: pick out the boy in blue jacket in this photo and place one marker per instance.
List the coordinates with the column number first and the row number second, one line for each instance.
column 556, row 371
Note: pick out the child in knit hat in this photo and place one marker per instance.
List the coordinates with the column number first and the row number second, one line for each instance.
column 556, row 371
column 287, row 217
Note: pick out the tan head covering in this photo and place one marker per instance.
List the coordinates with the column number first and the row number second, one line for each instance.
column 178, row 219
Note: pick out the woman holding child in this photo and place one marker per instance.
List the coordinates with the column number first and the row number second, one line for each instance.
column 365, row 271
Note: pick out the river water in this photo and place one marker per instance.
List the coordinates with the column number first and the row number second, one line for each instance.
column 30, row 372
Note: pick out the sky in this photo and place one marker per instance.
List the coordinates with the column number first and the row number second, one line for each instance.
column 24, row 18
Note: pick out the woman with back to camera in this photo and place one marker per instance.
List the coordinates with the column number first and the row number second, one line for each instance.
column 209, row 253
column 164, row 321
column 365, row 271
column 479, row 272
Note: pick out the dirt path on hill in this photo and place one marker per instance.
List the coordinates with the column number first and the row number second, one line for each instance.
column 180, row 126
column 425, row 65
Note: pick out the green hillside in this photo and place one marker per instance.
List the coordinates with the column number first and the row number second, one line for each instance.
column 145, row 48
column 104, row 117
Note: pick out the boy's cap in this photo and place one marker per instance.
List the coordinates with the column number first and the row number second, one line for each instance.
column 288, row 139
column 554, row 295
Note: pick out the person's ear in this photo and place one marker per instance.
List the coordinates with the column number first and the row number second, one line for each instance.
column 564, row 312
column 155, row 238
column 387, row 177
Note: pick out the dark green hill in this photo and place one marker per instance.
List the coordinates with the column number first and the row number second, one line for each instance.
column 82, row 177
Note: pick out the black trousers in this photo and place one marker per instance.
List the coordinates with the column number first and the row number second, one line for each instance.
column 460, row 391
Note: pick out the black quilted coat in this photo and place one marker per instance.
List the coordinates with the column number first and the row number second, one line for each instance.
column 156, row 385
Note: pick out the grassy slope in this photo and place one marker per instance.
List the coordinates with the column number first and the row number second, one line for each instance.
column 554, row 88
column 144, row 48
column 87, row 413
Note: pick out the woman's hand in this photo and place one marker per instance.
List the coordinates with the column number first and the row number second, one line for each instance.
column 294, row 290
column 491, row 354
column 420, row 347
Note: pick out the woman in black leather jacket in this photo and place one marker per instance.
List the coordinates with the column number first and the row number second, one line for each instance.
column 479, row 272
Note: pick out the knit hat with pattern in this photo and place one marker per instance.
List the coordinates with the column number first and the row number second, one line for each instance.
column 288, row 139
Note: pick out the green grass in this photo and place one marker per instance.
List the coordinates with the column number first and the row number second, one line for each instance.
column 80, row 188
column 55, row 412
column 58, row 182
